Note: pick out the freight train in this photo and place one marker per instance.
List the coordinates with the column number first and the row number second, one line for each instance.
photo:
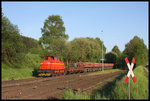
column 52, row 66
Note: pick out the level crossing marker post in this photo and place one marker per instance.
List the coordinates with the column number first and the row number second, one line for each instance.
column 130, row 72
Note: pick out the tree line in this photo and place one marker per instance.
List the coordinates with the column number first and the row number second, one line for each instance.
column 54, row 42
column 14, row 45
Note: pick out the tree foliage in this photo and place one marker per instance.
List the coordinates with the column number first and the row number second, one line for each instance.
column 53, row 37
column 116, row 50
column 30, row 44
column 85, row 50
column 111, row 57
column 57, row 48
column 52, row 30
column 118, row 54
column 14, row 45
column 137, row 49
column 11, row 40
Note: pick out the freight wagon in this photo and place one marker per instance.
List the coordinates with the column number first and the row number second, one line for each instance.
column 88, row 67
column 52, row 66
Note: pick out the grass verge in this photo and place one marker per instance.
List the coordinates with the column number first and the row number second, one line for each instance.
column 26, row 68
column 105, row 71
column 70, row 95
column 118, row 89
column 138, row 90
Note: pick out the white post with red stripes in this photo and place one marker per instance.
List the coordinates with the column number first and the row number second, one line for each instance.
column 130, row 70
column 130, row 73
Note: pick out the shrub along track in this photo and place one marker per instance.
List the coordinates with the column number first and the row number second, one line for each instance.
column 51, row 87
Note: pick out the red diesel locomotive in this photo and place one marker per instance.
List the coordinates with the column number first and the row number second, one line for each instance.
column 52, row 66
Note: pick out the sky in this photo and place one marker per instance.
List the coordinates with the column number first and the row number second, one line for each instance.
column 119, row 21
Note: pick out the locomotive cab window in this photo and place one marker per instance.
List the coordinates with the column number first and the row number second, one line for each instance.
column 46, row 58
column 56, row 59
column 52, row 58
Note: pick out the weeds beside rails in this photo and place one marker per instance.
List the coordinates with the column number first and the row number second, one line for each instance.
column 138, row 90
column 96, row 94
column 71, row 94
column 117, row 89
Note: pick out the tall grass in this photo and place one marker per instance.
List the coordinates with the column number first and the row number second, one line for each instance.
column 118, row 89
column 26, row 68
column 138, row 90
column 72, row 95
column 18, row 73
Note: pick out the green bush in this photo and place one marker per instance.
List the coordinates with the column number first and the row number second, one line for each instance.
column 137, row 49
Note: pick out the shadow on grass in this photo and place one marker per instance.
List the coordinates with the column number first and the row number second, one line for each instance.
column 105, row 91
column 35, row 73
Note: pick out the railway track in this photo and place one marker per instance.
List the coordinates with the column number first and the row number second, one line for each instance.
column 48, row 88
column 21, row 82
column 17, row 83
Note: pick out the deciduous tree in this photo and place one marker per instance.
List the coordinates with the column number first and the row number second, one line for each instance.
column 137, row 49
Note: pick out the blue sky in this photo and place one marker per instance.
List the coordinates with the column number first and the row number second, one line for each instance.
column 120, row 21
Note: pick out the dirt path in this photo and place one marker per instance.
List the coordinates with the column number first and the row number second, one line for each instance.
column 51, row 87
